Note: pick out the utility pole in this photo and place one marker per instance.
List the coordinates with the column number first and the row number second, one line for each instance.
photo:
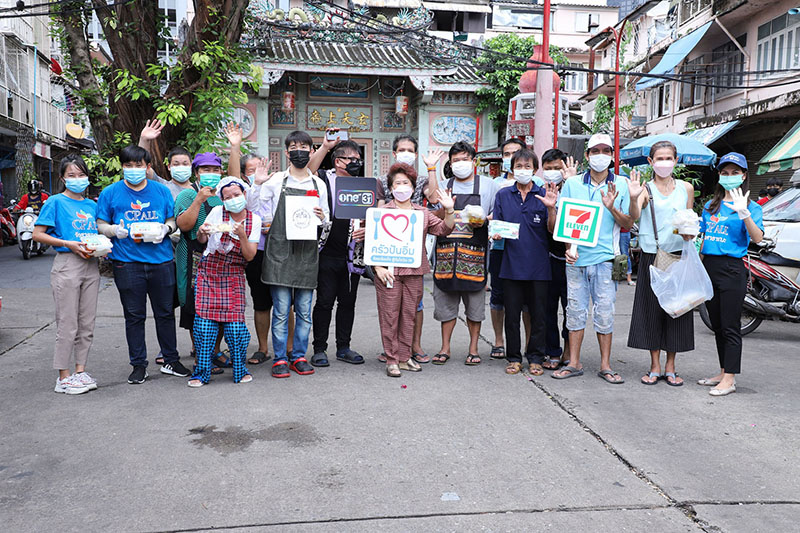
column 543, row 115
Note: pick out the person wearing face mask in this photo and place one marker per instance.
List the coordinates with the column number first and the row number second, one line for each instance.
column 461, row 258
column 774, row 187
column 651, row 328
column 341, row 264
column 75, row 277
column 556, row 167
column 730, row 221
column 526, row 268
column 179, row 164
column 192, row 206
column 142, row 269
column 290, row 266
column 404, row 150
column 231, row 234
column 496, row 306
column 589, row 269
column 398, row 293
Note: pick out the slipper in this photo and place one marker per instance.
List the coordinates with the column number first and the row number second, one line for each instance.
column 535, row 369
column 440, row 358
column 320, row 359
column 473, row 360
column 195, row 383
column 421, row 357
column 573, row 373
column 498, row 352
column 652, row 375
column 258, row 358
column 247, row 378
column 349, row 356
column 551, row 363
column 382, row 357
column 672, row 383
column 215, row 371
column 513, row 367
column 222, row 360
column 608, row 374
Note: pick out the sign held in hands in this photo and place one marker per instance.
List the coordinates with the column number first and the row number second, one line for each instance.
column 354, row 196
column 578, row 222
column 394, row 237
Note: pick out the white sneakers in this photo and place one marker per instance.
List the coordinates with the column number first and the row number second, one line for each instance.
column 76, row 384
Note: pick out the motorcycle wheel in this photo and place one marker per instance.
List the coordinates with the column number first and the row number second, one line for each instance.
column 749, row 321
column 26, row 249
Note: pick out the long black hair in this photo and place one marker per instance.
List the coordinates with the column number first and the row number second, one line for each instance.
column 719, row 191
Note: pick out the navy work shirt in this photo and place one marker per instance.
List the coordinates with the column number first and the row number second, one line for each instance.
column 526, row 258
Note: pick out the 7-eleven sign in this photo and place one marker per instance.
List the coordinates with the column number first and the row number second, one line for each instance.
column 578, row 222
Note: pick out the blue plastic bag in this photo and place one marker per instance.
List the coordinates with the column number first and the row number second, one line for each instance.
column 683, row 285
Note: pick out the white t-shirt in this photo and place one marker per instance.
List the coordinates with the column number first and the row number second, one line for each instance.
column 214, row 244
column 264, row 198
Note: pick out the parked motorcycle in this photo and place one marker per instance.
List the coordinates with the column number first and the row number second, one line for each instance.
column 25, row 224
column 7, row 227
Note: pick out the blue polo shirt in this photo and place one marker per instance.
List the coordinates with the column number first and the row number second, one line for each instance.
column 725, row 233
column 582, row 188
column 526, row 258
column 152, row 204
column 68, row 219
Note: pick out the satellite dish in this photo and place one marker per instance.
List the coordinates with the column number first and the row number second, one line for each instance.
column 75, row 131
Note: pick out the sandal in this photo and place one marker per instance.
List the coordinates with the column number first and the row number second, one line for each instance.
column 222, row 360
column 551, row 363
column 674, row 377
column 473, row 360
column 608, row 376
column 535, row 369
column 440, row 358
column 159, row 359
column 498, row 352
column 258, row 358
column 382, row 357
column 651, row 375
column 421, row 357
column 573, row 373
column 215, row 371
column 513, row 368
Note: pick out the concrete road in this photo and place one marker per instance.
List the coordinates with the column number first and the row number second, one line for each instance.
column 453, row 448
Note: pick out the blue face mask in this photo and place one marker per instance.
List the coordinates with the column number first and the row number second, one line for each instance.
column 235, row 204
column 209, row 180
column 134, row 176
column 181, row 174
column 731, row 182
column 77, row 185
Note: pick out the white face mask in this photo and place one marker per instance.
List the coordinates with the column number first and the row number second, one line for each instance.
column 462, row 169
column 523, row 175
column 599, row 162
column 402, row 193
column 407, row 158
column 663, row 168
column 552, row 176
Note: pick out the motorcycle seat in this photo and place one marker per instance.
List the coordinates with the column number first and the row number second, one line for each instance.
column 774, row 259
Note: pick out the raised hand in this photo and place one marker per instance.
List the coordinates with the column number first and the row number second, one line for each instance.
column 551, row 195
column 570, row 168
column 432, row 158
column 329, row 144
column 119, row 230
column 610, row 196
column 151, row 131
column 739, row 203
column 446, row 200
column 635, row 185
column 234, row 134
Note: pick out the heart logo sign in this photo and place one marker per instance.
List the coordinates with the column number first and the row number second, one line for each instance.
column 394, row 225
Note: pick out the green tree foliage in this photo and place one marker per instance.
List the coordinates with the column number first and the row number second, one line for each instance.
column 505, row 72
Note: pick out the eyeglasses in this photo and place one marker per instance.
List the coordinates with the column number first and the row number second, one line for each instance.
column 351, row 159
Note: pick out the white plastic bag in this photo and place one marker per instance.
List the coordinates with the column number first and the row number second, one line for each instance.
column 686, row 222
column 684, row 285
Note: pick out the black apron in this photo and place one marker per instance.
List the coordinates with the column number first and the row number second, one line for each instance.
column 461, row 261
column 288, row 263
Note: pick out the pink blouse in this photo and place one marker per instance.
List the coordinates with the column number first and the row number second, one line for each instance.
column 433, row 225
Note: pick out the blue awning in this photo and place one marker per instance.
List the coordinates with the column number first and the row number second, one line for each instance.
column 712, row 133
column 676, row 53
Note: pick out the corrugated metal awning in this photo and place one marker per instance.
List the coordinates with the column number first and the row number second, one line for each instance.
column 785, row 155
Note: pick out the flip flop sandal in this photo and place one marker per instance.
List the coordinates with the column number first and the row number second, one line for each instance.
column 573, row 373
column 421, row 357
column 672, row 383
column 222, row 360
column 473, row 360
column 258, row 358
column 652, row 375
column 513, row 368
column 552, row 363
column 608, row 374
column 440, row 358
column 382, row 357
column 534, row 371
column 498, row 352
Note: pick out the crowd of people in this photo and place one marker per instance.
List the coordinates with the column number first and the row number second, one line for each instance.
column 221, row 231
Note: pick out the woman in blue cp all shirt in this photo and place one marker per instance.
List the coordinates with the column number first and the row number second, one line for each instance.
column 730, row 221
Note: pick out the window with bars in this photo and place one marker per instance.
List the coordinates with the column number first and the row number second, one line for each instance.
column 727, row 65
column 691, row 93
column 690, row 8
column 575, row 82
column 659, row 101
column 778, row 45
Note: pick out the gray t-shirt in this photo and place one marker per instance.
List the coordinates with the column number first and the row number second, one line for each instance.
column 174, row 188
column 488, row 190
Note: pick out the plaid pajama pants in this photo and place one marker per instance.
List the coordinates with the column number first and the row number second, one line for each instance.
column 237, row 337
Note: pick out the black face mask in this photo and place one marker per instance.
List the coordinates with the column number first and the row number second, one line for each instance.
column 354, row 167
column 773, row 191
column 299, row 158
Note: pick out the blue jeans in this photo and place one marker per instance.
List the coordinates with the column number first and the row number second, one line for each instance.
column 282, row 300
column 135, row 282
column 625, row 248
column 591, row 281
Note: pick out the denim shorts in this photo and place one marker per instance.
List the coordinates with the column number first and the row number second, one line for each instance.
column 593, row 282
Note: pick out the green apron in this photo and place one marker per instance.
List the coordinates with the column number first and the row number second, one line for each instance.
column 289, row 263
